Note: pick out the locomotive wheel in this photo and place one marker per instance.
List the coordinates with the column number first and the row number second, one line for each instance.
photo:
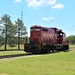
column 47, row 50
column 65, row 48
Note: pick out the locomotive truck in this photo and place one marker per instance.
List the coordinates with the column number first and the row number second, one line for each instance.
column 45, row 40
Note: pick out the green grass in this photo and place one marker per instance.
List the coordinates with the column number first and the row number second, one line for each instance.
column 62, row 63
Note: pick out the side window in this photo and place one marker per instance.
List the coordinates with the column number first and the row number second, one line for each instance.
column 31, row 29
column 44, row 29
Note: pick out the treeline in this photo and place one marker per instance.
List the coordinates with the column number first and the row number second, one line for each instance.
column 71, row 39
column 12, row 34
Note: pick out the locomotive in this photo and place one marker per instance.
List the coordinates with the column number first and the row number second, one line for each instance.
column 45, row 40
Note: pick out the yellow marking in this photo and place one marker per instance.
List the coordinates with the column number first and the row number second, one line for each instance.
column 47, row 35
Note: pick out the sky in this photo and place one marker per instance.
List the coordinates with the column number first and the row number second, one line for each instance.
column 46, row 13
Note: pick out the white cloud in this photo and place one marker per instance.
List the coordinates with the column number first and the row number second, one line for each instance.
column 47, row 2
column 15, row 1
column 48, row 19
column 58, row 6
column 36, row 3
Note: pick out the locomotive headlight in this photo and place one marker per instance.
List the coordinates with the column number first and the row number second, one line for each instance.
column 61, row 34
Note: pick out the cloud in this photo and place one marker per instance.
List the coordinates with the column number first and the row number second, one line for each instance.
column 36, row 3
column 48, row 19
column 17, row 1
column 58, row 6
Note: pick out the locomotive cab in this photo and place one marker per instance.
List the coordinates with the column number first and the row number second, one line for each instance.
column 62, row 43
column 60, row 37
column 35, row 33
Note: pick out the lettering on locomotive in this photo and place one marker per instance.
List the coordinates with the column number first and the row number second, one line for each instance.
column 48, row 35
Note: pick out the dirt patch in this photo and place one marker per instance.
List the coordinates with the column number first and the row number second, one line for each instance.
column 3, row 74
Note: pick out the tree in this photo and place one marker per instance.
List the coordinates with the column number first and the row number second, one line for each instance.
column 71, row 39
column 11, row 35
column 1, row 40
column 21, row 30
column 1, row 36
column 9, row 31
column 6, row 21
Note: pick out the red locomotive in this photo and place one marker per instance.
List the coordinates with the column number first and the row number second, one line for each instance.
column 44, row 39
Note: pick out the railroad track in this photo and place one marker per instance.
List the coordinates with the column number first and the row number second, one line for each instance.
column 19, row 55
column 15, row 55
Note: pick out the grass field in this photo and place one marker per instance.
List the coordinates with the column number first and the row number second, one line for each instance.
column 62, row 63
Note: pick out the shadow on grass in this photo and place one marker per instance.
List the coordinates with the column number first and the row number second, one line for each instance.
column 11, row 50
column 15, row 55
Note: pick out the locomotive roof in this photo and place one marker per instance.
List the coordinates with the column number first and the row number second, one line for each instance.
column 54, row 28
column 36, row 26
column 45, row 27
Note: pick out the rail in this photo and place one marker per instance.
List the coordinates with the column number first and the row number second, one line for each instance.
column 15, row 55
